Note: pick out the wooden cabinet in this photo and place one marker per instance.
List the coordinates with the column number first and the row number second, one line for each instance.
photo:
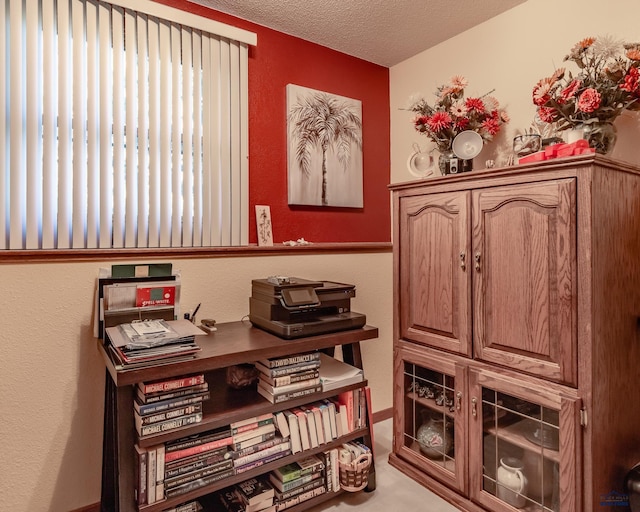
column 520, row 288
column 233, row 343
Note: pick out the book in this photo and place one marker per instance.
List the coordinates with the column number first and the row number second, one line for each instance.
column 196, row 484
column 346, row 398
column 255, row 490
column 285, row 495
column 141, row 475
column 311, row 425
column 285, row 380
column 249, row 427
column 236, row 454
column 250, row 421
column 151, row 476
column 282, row 424
column 289, row 387
column 291, row 395
column 261, row 462
column 163, row 396
column 278, row 362
column 326, row 421
column 331, row 407
column 317, row 415
column 287, row 370
column 199, row 449
column 150, row 419
column 171, row 384
column 283, row 446
column 198, row 439
column 303, row 427
column 160, row 472
column 335, row 373
column 240, row 445
column 254, row 432
column 301, row 498
column 294, row 431
column 291, row 484
column 191, row 506
column 203, row 472
column 163, row 426
column 172, row 403
column 195, row 462
column 294, row 470
column 230, row 500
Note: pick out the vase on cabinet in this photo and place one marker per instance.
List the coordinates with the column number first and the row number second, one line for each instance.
column 511, row 482
column 601, row 136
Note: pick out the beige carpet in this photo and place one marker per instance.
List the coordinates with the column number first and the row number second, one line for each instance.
column 394, row 491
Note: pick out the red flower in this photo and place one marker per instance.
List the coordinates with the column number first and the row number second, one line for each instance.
column 474, row 104
column 631, row 80
column 491, row 125
column 589, row 100
column 569, row 91
column 462, row 123
column 541, row 91
column 439, row 121
column 548, row 114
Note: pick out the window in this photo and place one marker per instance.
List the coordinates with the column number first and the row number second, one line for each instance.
column 122, row 128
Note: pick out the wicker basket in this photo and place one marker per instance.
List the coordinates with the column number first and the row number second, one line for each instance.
column 354, row 475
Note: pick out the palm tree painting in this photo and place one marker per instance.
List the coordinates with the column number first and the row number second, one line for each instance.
column 324, row 148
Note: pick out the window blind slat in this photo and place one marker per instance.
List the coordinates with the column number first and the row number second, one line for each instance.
column 106, row 127
column 165, row 135
column 187, row 138
column 65, row 88
column 176, row 142
column 118, row 127
column 131, row 129
column 4, row 116
column 207, row 132
column 93, row 127
column 243, row 113
column 143, row 133
column 155, row 146
column 79, row 126
column 234, row 143
column 33, row 189
column 197, row 139
column 225, row 144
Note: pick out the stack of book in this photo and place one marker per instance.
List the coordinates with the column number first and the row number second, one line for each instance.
column 299, row 481
column 152, row 342
column 253, row 495
column 286, row 378
column 257, row 441
column 194, row 461
column 168, row 404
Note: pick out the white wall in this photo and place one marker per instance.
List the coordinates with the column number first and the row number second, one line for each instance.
column 509, row 53
column 52, row 378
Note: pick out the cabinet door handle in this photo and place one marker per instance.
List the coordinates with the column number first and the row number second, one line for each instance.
column 477, row 258
column 463, row 265
column 459, row 400
column 474, row 407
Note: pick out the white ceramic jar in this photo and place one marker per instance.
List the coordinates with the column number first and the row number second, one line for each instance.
column 511, row 482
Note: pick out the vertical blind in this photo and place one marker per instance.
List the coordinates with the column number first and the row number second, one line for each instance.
column 125, row 125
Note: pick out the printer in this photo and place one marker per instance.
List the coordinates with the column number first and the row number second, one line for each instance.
column 291, row 307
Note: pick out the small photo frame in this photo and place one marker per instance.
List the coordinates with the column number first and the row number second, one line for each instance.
column 263, row 224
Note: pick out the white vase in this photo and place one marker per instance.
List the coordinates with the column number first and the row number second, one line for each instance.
column 511, row 482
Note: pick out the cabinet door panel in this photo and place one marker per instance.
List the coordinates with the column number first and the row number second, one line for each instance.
column 523, row 445
column 524, row 280
column 434, row 275
column 429, row 415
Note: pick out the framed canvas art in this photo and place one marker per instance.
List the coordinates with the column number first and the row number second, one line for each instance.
column 324, row 153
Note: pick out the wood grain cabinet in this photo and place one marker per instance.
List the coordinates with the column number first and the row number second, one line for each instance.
column 517, row 297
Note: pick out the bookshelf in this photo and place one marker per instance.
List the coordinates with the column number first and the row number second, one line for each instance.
column 233, row 343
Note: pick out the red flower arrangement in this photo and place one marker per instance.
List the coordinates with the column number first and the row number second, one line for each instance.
column 608, row 82
column 452, row 113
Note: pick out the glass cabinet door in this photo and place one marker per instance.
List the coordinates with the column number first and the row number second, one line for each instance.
column 519, row 439
column 431, row 406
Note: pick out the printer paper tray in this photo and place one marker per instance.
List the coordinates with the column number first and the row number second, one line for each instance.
column 320, row 325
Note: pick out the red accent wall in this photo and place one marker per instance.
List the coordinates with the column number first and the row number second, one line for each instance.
column 280, row 59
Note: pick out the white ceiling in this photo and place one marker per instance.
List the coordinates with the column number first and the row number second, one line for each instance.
column 384, row 32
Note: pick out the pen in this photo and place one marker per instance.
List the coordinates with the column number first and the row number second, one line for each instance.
column 193, row 315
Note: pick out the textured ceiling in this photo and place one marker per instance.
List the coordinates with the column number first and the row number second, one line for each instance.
column 384, row 32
